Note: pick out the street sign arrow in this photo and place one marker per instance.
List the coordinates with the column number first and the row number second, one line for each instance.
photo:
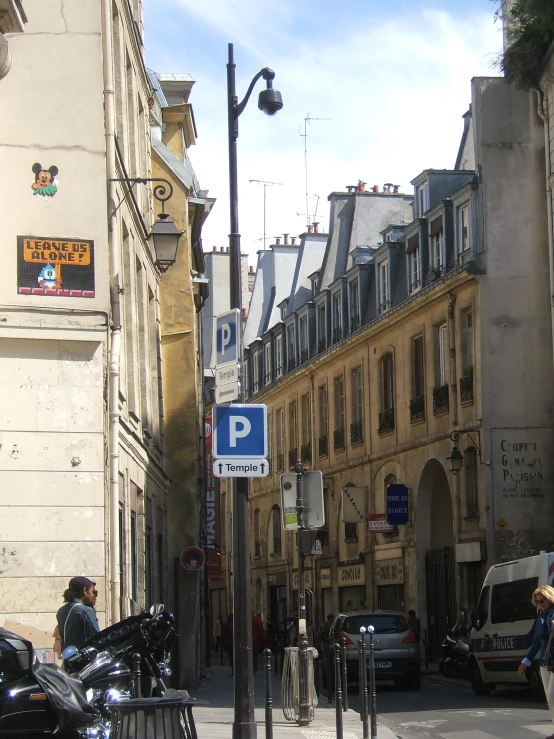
column 236, row 467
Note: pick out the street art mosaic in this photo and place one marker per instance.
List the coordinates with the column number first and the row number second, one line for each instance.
column 46, row 182
column 55, row 267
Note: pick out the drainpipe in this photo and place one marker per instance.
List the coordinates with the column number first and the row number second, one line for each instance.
column 543, row 115
column 115, row 344
column 457, row 507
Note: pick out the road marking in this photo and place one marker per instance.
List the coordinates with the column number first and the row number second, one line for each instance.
column 315, row 734
column 539, row 728
column 469, row 735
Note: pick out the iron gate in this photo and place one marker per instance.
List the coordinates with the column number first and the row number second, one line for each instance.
column 441, row 597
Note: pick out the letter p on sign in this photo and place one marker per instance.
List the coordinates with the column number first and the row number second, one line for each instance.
column 238, row 433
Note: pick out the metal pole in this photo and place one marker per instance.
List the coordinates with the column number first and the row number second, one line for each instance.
column 304, row 717
column 338, row 692
column 373, row 697
column 268, row 696
column 244, row 725
column 344, row 675
column 363, row 688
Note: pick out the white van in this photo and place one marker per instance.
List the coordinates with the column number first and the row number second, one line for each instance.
column 503, row 624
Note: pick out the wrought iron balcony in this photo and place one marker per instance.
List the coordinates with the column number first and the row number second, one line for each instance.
column 304, row 356
column 339, row 440
column 280, row 462
column 291, row 365
column 306, row 453
column 293, row 457
column 417, row 408
column 321, row 346
column 440, row 399
column 386, row 421
column 356, row 432
column 466, row 389
column 323, row 446
column 337, row 335
column 354, row 324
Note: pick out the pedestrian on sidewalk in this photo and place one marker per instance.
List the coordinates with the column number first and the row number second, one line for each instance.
column 543, row 597
column 414, row 623
column 227, row 639
column 77, row 621
column 217, row 633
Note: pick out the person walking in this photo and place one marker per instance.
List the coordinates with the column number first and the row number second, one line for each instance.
column 414, row 623
column 217, row 633
column 77, row 620
column 227, row 639
column 543, row 597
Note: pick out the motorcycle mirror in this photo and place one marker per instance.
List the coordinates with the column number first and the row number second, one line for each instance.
column 69, row 651
column 156, row 608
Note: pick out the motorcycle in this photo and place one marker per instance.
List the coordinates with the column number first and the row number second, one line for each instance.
column 103, row 671
column 454, row 659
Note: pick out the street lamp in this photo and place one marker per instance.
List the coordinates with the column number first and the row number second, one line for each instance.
column 456, row 458
column 244, row 725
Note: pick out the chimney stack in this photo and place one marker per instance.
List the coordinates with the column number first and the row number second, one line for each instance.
column 277, row 241
column 293, row 241
column 350, row 189
column 244, row 312
column 228, row 249
column 396, row 189
column 221, row 248
column 316, row 227
column 375, row 188
column 285, row 239
column 310, row 229
column 214, row 248
column 361, row 186
column 251, row 269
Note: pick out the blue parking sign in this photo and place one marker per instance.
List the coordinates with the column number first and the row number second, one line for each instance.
column 226, row 328
column 240, row 431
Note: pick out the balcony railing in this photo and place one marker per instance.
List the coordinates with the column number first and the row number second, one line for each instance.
column 291, row 365
column 356, row 432
column 303, row 356
column 321, row 345
column 323, row 446
column 277, row 545
column 466, row 389
column 440, row 399
column 280, row 462
column 354, row 324
column 306, row 453
column 339, row 440
column 417, row 408
column 337, row 335
column 293, row 457
column 386, row 421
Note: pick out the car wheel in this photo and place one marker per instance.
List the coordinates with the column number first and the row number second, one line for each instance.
column 535, row 685
column 413, row 681
column 477, row 683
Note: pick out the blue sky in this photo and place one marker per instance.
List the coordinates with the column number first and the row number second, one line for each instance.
column 393, row 78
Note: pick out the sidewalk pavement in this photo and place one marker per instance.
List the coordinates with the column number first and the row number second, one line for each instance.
column 215, row 721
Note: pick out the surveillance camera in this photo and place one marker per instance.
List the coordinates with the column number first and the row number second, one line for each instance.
column 270, row 101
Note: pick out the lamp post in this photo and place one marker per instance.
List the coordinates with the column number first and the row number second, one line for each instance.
column 244, row 725
column 456, row 458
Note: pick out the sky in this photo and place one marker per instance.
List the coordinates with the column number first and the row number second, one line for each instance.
column 389, row 81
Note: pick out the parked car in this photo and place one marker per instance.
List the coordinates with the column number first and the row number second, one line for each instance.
column 396, row 649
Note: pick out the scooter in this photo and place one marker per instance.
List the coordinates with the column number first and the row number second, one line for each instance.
column 454, row 660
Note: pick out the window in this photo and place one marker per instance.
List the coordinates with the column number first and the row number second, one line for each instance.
column 383, row 287
column 351, row 532
column 337, row 318
column 276, row 529
column 467, row 342
column 339, row 439
column 255, row 371
column 304, row 339
column 291, row 348
column 436, row 257
column 442, row 358
column 422, row 199
column 356, row 427
column 293, row 434
column 314, row 286
column 463, row 228
column 470, row 464
column 414, row 269
column 321, row 333
column 280, row 430
column 306, row 419
column 387, row 382
column 511, row 601
column 257, row 543
column 267, row 363
column 283, row 312
column 483, row 606
column 354, row 298
column 270, row 439
column 278, row 356
column 418, row 374
column 323, row 420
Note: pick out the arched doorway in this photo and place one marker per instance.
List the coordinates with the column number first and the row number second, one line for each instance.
column 435, row 555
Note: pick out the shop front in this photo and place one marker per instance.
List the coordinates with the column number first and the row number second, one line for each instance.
column 389, row 578
column 351, row 582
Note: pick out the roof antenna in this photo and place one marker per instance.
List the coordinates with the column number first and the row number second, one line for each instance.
column 307, row 120
column 265, row 183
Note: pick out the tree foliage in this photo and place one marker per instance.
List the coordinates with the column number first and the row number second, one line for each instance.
column 530, row 31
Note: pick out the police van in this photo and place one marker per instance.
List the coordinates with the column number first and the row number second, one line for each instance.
column 503, row 624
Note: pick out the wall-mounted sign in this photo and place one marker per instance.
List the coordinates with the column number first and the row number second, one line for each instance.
column 325, row 578
column 389, row 572
column 353, row 505
column 351, row 575
column 276, row 579
column 55, row 267
column 397, row 505
column 307, row 579
column 192, row 559
column 378, row 523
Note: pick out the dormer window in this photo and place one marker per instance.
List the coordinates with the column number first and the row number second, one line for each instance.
column 314, row 285
column 321, row 332
column 255, row 371
column 304, row 339
column 291, row 348
column 354, row 305
column 278, row 356
column 383, row 287
column 422, row 199
column 436, row 245
column 267, row 363
column 414, row 263
column 337, row 318
column 283, row 312
column 463, row 228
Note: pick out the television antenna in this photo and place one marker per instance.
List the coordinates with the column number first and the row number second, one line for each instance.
column 307, row 120
column 265, row 183
column 309, row 216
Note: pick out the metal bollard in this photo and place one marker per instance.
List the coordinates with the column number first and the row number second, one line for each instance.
column 136, row 675
column 363, row 685
column 338, row 692
column 268, row 696
column 373, row 697
column 344, row 675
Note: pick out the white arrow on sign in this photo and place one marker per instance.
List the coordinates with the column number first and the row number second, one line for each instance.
column 227, row 393
column 245, row 467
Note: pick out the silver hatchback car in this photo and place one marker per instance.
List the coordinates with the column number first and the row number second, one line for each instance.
column 396, row 648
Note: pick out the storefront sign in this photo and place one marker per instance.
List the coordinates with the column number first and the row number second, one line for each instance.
column 325, row 578
column 307, row 579
column 276, row 579
column 397, row 505
column 351, row 575
column 389, row 572
column 378, row 523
